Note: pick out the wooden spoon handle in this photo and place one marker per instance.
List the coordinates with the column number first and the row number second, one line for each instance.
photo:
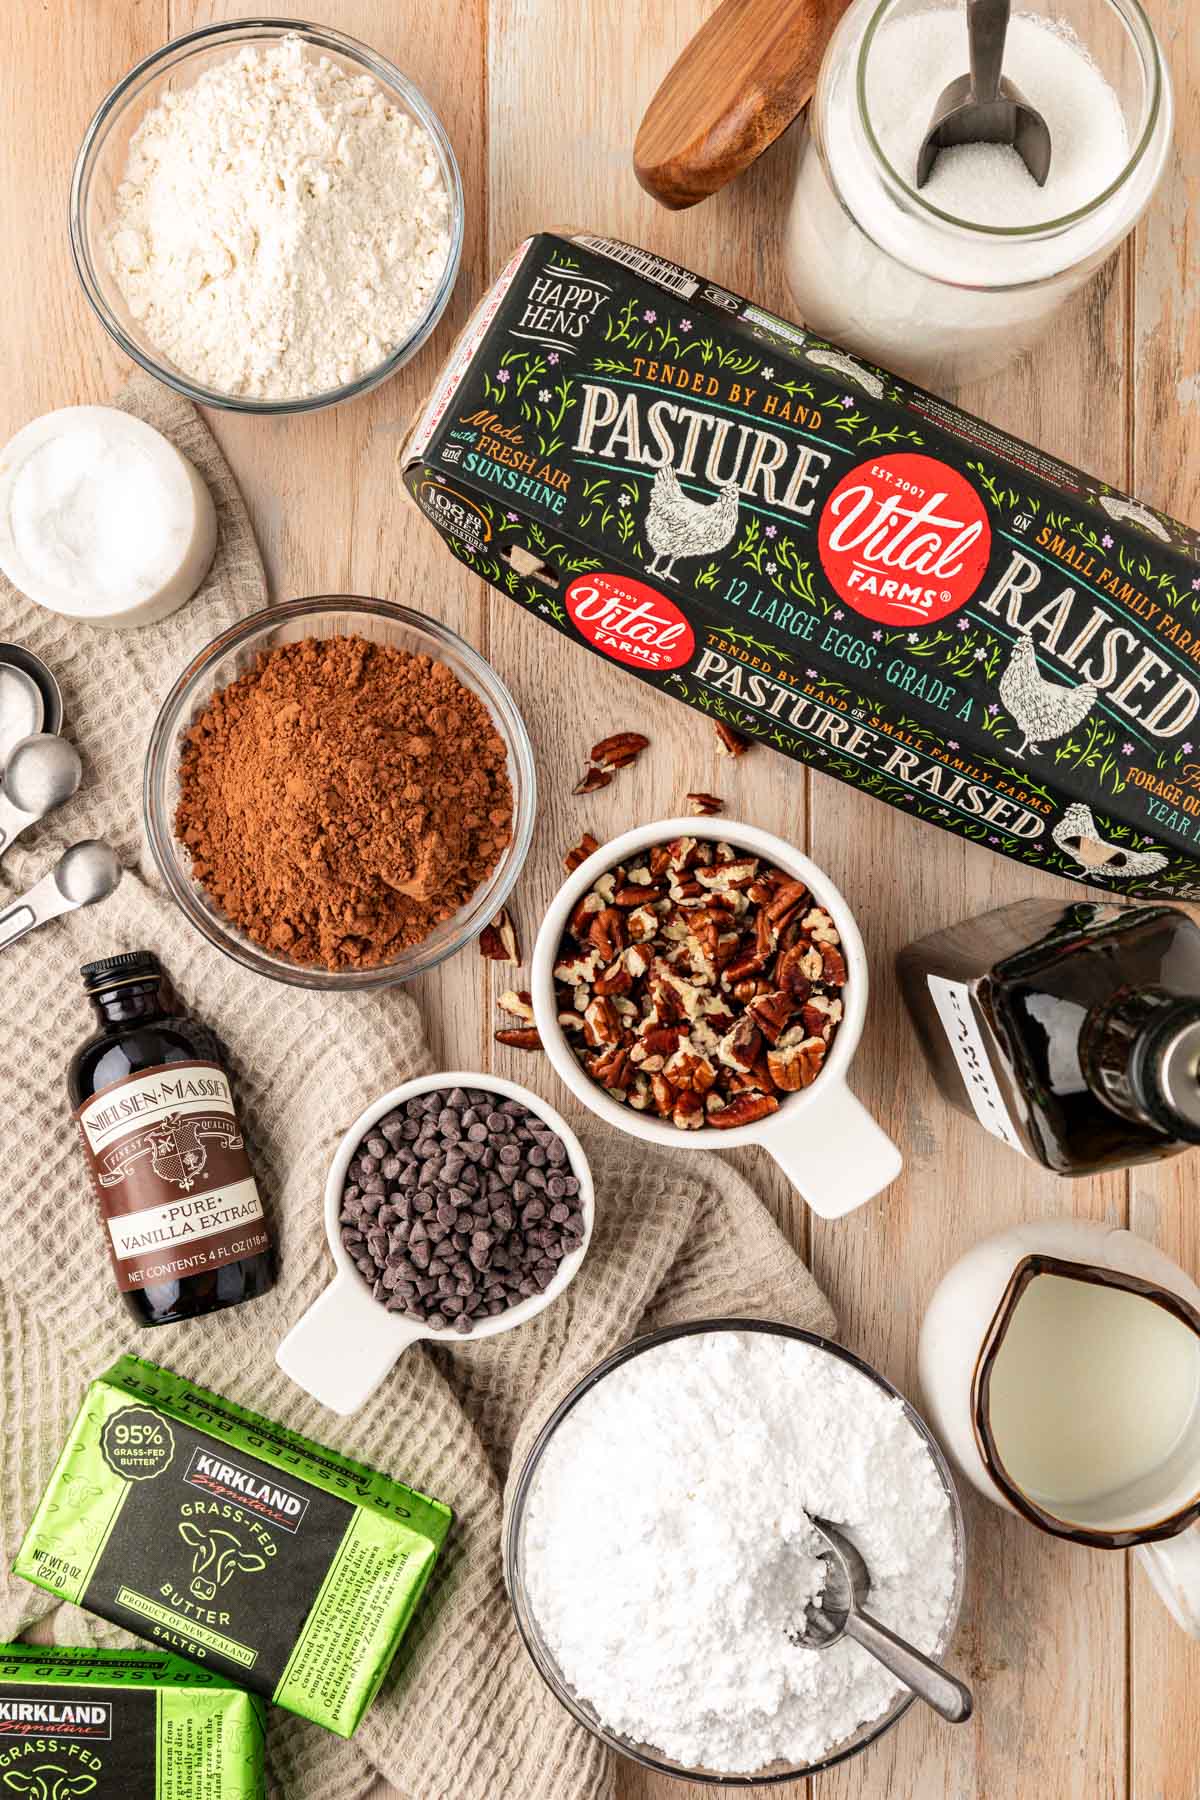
column 740, row 82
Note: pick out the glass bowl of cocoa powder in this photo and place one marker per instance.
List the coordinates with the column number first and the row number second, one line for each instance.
column 339, row 793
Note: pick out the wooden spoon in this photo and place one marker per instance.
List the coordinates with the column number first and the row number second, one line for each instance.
column 747, row 73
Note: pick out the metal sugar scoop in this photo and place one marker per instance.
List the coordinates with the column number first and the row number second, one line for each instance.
column 839, row 1614
column 982, row 107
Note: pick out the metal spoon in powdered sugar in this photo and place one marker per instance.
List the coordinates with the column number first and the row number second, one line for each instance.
column 838, row 1613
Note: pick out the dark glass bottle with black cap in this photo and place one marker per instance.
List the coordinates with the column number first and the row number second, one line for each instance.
column 177, row 1197
column 1071, row 1032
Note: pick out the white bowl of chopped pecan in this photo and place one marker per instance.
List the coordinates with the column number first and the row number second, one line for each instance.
column 697, row 982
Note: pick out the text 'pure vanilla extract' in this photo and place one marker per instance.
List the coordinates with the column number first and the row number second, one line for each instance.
column 177, row 1196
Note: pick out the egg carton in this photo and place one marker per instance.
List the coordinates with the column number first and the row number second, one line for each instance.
column 825, row 559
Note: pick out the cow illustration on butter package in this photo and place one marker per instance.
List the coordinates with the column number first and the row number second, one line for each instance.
column 225, row 1538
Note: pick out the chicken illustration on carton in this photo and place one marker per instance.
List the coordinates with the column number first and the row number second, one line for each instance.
column 824, row 558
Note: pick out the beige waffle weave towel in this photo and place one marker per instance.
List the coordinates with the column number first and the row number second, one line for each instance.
column 463, row 1714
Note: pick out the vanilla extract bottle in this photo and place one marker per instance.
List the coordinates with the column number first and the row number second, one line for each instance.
column 1071, row 1032
column 177, row 1196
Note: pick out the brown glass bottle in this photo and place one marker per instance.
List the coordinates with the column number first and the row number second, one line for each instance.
column 1071, row 1032
column 176, row 1193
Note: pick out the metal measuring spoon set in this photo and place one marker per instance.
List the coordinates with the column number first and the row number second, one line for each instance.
column 41, row 772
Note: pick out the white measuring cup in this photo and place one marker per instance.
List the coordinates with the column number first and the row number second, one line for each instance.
column 345, row 1344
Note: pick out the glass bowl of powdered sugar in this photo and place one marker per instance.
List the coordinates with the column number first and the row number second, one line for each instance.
column 267, row 216
column 658, row 1549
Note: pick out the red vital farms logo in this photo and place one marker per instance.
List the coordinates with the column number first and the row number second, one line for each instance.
column 630, row 621
column 904, row 539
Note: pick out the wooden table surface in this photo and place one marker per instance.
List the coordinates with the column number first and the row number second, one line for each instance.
column 1085, row 1689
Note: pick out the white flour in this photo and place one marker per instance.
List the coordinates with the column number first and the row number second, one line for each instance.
column 282, row 225
column 668, row 1546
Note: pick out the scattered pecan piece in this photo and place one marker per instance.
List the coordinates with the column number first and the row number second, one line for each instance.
column 704, row 806
column 619, row 750
column 729, row 741
column 519, row 1004
column 498, row 941
column 592, row 780
column 586, row 847
column 520, row 1037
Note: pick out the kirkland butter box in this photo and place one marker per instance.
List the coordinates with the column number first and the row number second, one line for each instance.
column 124, row 1725
column 826, row 559
column 212, row 1532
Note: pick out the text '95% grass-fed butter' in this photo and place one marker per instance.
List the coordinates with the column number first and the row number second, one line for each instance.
column 207, row 1529
column 124, row 1725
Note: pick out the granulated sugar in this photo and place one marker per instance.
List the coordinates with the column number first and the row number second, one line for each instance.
column 911, row 62
column 668, row 1546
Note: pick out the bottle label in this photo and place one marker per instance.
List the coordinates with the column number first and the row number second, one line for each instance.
column 953, row 1002
column 169, row 1167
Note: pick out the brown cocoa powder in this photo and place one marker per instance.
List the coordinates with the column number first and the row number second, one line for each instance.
column 343, row 798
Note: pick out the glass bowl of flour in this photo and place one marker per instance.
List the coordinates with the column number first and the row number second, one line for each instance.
column 658, row 1548
column 267, row 216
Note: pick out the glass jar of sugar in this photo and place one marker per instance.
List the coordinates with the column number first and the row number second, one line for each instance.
column 947, row 283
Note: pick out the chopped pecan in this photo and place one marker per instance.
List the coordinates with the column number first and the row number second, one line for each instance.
column 771, row 1013
column 520, row 1037
column 571, row 1022
column 791, row 895
column 634, row 894
column 617, row 751
column 688, row 1114
column 586, row 847
column 519, row 1004
column 749, row 964
column 498, row 941
column 796, row 1066
column 741, row 1044
column 687, row 1070
column 704, row 806
column 657, row 1040
column 601, row 1023
column 606, row 933
column 637, row 961
column 833, row 964
column 793, row 971
column 592, row 780
column 581, row 918
column 729, row 741
column 743, row 1109
column 611, row 1067
column 664, row 1095
column 575, row 971
column 616, row 979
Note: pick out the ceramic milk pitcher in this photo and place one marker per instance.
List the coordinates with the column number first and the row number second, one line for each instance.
column 1060, row 1363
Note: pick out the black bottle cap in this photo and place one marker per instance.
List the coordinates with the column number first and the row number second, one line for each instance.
column 114, row 971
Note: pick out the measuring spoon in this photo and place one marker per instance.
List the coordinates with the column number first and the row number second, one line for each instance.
column 84, row 874
column 41, row 773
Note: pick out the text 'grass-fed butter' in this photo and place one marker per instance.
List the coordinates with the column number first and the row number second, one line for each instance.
column 192, row 1522
column 124, row 1725
column 827, row 559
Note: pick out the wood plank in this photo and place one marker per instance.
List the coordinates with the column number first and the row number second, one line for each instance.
column 324, row 489
column 1164, row 1681
column 584, row 55
column 1043, row 1629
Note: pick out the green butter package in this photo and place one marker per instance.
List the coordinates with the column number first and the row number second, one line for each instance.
column 233, row 1541
column 124, row 1725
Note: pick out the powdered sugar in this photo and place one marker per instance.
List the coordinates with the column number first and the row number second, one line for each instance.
column 282, row 226
column 668, row 1546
